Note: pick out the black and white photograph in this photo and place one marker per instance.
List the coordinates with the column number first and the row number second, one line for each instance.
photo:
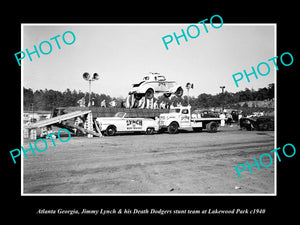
column 142, row 119
column 166, row 117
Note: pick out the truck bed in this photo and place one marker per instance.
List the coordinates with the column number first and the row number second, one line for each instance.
column 196, row 120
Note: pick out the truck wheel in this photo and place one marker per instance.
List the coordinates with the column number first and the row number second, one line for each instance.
column 173, row 128
column 149, row 93
column 111, row 130
column 150, row 130
column 179, row 92
column 212, row 127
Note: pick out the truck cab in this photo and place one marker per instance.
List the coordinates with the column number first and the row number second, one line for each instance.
column 182, row 118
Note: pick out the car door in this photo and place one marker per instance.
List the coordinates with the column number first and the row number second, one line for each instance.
column 161, row 84
column 120, row 124
column 134, row 124
column 185, row 119
column 128, row 123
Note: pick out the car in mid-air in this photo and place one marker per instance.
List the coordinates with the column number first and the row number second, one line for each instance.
column 155, row 83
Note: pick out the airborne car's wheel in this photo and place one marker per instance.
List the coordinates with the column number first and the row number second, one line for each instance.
column 167, row 95
column 149, row 93
column 138, row 96
column 111, row 130
column 173, row 128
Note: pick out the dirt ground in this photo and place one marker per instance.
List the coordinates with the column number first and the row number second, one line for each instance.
column 184, row 163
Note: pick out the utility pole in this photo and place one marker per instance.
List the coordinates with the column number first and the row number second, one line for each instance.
column 222, row 87
column 86, row 76
column 89, row 120
column 188, row 87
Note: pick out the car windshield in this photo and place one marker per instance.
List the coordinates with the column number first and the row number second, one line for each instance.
column 161, row 78
column 174, row 110
column 120, row 114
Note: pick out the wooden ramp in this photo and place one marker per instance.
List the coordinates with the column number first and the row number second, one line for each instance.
column 56, row 119
column 85, row 131
column 110, row 112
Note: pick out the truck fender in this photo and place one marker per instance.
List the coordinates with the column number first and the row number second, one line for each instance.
column 171, row 121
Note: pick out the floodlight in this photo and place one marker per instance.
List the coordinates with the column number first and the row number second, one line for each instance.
column 86, row 76
column 96, row 76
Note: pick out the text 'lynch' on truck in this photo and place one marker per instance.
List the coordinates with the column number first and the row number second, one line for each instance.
column 182, row 118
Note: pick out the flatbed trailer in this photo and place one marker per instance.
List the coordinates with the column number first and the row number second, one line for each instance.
column 180, row 118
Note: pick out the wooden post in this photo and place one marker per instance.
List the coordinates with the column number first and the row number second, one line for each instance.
column 97, row 128
column 89, row 124
column 26, row 133
column 33, row 134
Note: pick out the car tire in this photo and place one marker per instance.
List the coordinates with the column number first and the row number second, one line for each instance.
column 167, row 95
column 173, row 128
column 111, row 130
column 212, row 127
column 138, row 96
column 150, row 130
column 179, row 92
column 149, row 93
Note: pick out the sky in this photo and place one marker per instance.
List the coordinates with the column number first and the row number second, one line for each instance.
column 122, row 54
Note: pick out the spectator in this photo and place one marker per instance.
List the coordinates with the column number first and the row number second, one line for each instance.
column 229, row 119
column 222, row 116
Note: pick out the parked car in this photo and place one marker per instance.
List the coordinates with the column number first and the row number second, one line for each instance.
column 257, row 123
column 155, row 83
column 121, row 123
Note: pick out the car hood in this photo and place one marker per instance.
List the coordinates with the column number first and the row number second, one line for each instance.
column 137, row 85
column 169, row 114
column 108, row 118
column 119, row 118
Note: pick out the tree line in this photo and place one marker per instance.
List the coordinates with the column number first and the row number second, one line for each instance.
column 49, row 99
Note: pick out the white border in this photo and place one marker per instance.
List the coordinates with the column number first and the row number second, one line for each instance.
column 153, row 24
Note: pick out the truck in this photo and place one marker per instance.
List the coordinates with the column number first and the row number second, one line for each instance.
column 121, row 123
column 180, row 118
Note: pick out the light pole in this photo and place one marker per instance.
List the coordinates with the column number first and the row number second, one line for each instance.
column 188, row 87
column 90, row 78
column 222, row 87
